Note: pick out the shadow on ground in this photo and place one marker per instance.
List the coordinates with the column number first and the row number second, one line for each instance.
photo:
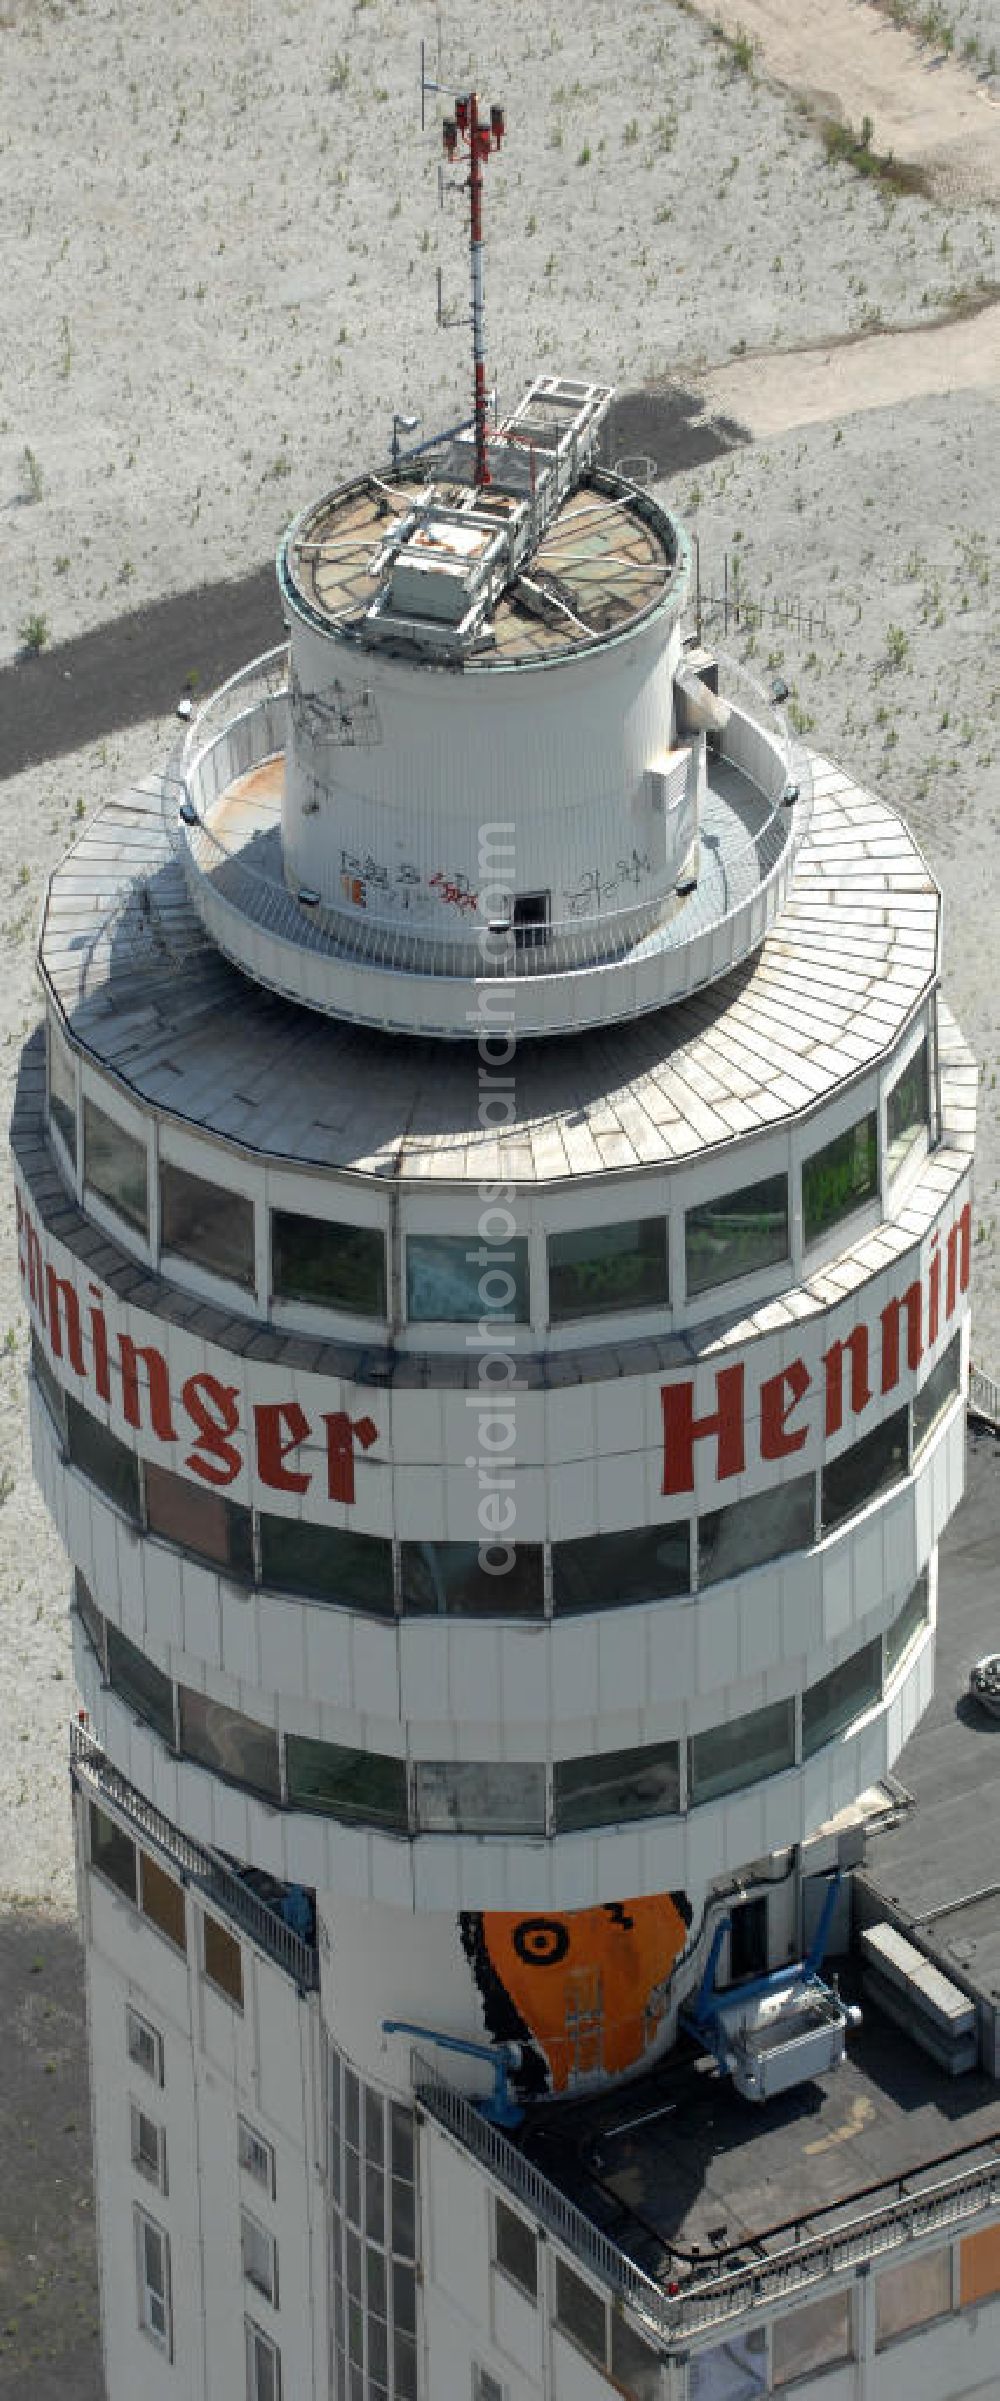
column 49, row 2334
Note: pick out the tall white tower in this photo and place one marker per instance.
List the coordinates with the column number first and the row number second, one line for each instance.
column 493, row 1196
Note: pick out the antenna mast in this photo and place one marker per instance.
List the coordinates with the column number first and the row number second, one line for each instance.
column 480, row 134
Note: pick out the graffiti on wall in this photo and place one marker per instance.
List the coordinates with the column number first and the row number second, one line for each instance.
column 585, row 1991
column 592, row 889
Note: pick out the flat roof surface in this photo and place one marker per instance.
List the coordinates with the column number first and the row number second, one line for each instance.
column 598, row 567
column 707, row 2173
column 826, row 995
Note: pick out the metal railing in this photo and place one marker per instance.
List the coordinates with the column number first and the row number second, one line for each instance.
column 984, row 1396
column 711, row 2297
column 93, row 1771
column 246, row 722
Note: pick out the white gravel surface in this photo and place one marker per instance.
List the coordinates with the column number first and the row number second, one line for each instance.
column 221, row 231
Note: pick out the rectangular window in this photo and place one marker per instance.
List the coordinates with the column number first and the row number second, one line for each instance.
column 162, row 1900
column 223, row 1960
column 183, row 1512
column 840, row 1178
column 90, row 1618
column 144, row 2044
column 326, row 1564
column 908, row 1111
column 260, row 2256
column 814, row 2337
column 515, row 2248
column 256, row 2156
column 608, row 1268
column 263, row 2365
column 937, row 1394
column 112, row 1852
column 332, row 1265
column 446, row 1579
column 149, row 2150
column 913, row 1617
column 609, row 1571
column 234, row 1745
column 103, row 1459
column 736, row 1235
column 530, row 920
column 454, row 1279
column 62, row 1091
column 871, row 1466
column 581, row 2313
column 208, row 1224
column 607, row 1788
column 366, row 1787
column 747, row 1533
column 725, row 1758
column 114, row 1166
column 466, row 1797
column 152, row 2257
column 145, row 1687
column 837, row 1699
column 634, row 2366
column 51, row 1390
column 910, row 2294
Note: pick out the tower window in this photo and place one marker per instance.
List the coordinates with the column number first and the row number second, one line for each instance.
column 114, row 1166
column 840, row 1178
column 455, row 1279
column 152, row 2252
column 208, row 1224
column 908, row 1111
column 530, row 920
column 62, row 1092
column 605, row 1268
column 736, row 1235
column 332, row 1265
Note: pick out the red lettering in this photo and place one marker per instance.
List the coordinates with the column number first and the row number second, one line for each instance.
column 341, row 1435
column 861, row 1392
column 913, row 1303
column 272, row 1451
column 221, row 1461
column 959, row 1257
column 158, row 1382
column 99, row 1332
column 62, row 1297
column 30, row 1263
column 776, row 1409
column 682, row 1429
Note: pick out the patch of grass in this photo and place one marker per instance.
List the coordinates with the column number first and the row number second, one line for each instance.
column 845, row 147
column 35, row 632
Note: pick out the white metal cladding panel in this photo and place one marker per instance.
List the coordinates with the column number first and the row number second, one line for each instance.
column 347, row 1454
column 609, row 1680
column 556, row 758
column 458, row 1872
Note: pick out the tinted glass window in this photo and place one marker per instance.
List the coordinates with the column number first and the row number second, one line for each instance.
column 608, row 1268
column 840, row 1177
column 516, row 2248
column 359, row 1785
column 225, row 1740
column 736, row 1234
column 454, row 1279
column 327, row 1564
column 913, row 1617
column 336, row 1266
column 613, row 1786
column 114, row 1165
column 937, row 1394
column 162, row 1901
column 62, row 1092
column 89, row 1615
column 581, row 2312
column 840, row 1697
column 112, row 1851
column 200, row 1521
column 634, row 2366
column 811, row 2338
column 146, row 1689
column 870, row 1466
column 908, row 1114
column 99, row 1455
column 446, row 1579
column 223, row 1960
column 762, row 1527
column 605, row 1571
column 492, row 1797
column 207, row 1224
column 52, row 1392
column 726, row 1757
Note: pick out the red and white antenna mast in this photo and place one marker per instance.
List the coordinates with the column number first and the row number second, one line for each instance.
column 480, row 134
